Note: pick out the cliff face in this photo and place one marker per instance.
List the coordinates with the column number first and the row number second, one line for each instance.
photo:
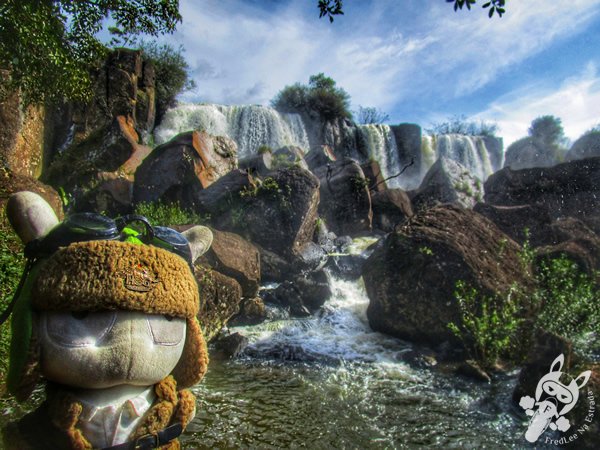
column 21, row 136
column 32, row 136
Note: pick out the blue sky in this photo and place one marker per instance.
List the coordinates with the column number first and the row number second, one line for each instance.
column 417, row 60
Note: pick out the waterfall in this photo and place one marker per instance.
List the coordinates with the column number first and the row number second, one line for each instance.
column 470, row 151
column 250, row 126
column 381, row 144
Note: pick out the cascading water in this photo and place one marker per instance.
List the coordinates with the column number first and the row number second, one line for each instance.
column 382, row 147
column 470, row 151
column 250, row 126
column 329, row 381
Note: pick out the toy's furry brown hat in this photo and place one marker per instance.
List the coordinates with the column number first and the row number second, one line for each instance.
column 113, row 275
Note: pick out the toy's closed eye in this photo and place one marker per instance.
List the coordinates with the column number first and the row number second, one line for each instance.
column 78, row 329
column 79, row 315
column 167, row 332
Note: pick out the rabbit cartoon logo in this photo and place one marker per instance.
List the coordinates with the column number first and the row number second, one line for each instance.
column 553, row 400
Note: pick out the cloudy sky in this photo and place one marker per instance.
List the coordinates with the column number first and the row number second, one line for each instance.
column 417, row 60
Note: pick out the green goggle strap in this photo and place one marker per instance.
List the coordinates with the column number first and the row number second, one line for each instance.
column 21, row 327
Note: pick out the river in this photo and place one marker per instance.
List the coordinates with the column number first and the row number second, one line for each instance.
column 330, row 382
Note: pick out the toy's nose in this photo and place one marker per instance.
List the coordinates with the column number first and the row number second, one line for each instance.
column 105, row 349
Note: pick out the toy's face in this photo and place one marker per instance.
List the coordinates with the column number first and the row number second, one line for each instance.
column 104, row 349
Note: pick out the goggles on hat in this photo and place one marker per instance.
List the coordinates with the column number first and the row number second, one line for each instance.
column 81, row 227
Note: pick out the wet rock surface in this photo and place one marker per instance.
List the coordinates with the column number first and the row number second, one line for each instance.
column 220, row 298
column 448, row 181
column 410, row 279
column 237, row 258
column 565, row 190
column 345, row 200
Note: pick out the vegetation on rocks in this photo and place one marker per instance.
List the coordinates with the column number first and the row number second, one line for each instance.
column 12, row 264
column 168, row 214
column 369, row 115
column 460, row 125
column 565, row 301
column 320, row 96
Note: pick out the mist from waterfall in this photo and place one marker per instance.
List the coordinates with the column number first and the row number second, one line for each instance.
column 250, row 126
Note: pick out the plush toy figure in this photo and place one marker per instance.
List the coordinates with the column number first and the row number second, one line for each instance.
column 106, row 315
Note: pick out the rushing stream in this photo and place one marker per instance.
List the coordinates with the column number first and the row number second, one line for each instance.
column 330, row 382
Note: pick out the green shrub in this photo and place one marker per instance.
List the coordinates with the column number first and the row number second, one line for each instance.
column 169, row 214
column 568, row 300
column 565, row 301
column 12, row 264
column 320, row 96
column 488, row 324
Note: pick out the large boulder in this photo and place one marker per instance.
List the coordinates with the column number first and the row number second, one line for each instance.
column 289, row 156
column 319, row 156
column 237, row 258
column 530, row 152
column 177, row 170
column 11, row 183
column 372, row 171
column 278, row 213
column 98, row 171
column 220, row 298
column 124, row 85
column 448, row 181
column 521, row 222
column 567, row 189
column 303, row 294
column 587, row 146
column 410, row 279
column 282, row 216
column 219, row 198
column 345, row 200
column 257, row 163
column 570, row 237
column 390, row 208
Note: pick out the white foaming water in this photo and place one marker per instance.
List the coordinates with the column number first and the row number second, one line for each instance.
column 382, row 147
column 250, row 126
column 341, row 331
column 470, row 151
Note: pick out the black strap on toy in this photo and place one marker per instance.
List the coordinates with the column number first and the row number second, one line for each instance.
column 151, row 441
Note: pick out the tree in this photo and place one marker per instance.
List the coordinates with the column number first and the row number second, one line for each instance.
column 331, row 8
column 370, row 115
column 460, row 125
column 172, row 73
column 320, row 96
column 47, row 47
column 548, row 131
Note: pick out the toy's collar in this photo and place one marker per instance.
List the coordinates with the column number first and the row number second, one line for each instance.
column 151, row 441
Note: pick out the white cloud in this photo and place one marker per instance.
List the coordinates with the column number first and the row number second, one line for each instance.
column 576, row 101
column 384, row 53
